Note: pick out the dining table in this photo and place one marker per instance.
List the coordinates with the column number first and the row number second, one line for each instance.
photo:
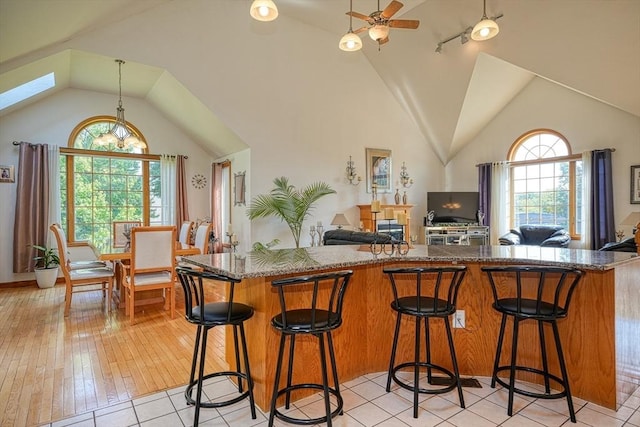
column 122, row 255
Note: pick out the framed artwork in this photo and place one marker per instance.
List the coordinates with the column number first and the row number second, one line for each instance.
column 378, row 170
column 635, row 184
column 239, row 188
column 122, row 232
column 7, row 174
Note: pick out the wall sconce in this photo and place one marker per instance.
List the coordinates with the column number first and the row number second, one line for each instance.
column 353, row 178
column 405, row 180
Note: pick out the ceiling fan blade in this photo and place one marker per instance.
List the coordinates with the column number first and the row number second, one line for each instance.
column 359, row 16
column 361, row 29
column 391, row 10
column 411, row 24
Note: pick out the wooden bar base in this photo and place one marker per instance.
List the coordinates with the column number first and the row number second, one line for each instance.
column 600, row 339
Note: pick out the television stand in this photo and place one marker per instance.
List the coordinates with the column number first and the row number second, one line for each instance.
column 456, row 234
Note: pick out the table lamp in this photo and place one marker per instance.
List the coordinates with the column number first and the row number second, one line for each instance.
column 340, row 220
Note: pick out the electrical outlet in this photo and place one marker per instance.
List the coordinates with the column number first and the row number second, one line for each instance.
column 458, row 319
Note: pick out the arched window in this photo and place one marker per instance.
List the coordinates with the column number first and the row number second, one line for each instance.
column 103, row 184
column 545, row 181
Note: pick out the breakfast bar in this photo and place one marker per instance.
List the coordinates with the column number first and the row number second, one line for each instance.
column 601, row 334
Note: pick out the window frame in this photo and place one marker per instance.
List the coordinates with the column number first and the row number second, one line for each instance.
column 570, row 158
column 71, row 151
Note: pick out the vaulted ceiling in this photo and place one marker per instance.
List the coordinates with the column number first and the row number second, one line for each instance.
column 591, row 47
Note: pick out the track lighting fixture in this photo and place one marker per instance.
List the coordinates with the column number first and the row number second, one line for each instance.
column 486, row 28
column 263, row 10
column 469, row 32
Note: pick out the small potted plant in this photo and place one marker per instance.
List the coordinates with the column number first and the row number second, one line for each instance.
column 46, row 268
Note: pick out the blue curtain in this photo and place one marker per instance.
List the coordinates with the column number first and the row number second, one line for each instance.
column 602, row 221
column 484, row 188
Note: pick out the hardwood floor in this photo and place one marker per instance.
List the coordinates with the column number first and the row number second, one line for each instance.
column 53, row 367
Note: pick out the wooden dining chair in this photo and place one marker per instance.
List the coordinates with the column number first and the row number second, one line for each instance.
column 80, row 255
column 152, row 266
column 78, row 279
column 186, row 229
column 202, row 237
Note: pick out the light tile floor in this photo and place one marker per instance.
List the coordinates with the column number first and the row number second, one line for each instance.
column 367, row 404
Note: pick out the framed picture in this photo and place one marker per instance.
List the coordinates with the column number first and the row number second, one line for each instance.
column 378, row 170
column 7, row 174
column 239, row 188
column 635, row 184
column 122, row 232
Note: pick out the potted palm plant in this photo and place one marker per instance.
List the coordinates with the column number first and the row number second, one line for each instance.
column 46, row 268
column 288, row 203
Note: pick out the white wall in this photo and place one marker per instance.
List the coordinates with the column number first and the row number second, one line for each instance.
column 587, row 124
column 51, row 121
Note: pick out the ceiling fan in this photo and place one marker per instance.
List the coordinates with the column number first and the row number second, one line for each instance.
column 379, row 22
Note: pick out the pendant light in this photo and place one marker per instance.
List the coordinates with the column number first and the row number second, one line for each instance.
column 486, row 28
column 120, row 135
column 263, row 10
column 350, row 42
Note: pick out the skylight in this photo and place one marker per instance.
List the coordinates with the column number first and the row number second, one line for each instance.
column 26, row 90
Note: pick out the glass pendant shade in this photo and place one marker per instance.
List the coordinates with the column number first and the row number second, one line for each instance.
column 263, row 10
column 378, row 32
column 350, row 42
column 119, row 134
column 485, row 29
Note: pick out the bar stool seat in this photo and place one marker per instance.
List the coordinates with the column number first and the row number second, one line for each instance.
column 438, row 301
column 542, row 294
column 206, row 316
column 318, row 316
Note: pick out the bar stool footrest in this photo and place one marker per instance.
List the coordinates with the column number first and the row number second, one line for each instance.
column 238, row 398
column 304, row 421
column 558, row 380
column 451, row 384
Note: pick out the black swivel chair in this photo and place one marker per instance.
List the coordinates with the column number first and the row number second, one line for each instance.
column 319, row 317
column 434, row 291
column 206, row 316
column 541, row 294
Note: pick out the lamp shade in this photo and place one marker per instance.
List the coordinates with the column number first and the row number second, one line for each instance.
column 485, row 30
column 378, row 32
column 350, row 42
column 263, row 10
column 632, row 219
column 340, row 220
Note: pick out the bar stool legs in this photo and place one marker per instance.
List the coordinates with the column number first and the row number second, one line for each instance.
column 535, row 293
column 199, row 353
column 326, row 389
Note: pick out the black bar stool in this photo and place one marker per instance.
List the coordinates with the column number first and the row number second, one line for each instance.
column 206, row 316
column 542, row 294
column 434, row 294
column 318, row 317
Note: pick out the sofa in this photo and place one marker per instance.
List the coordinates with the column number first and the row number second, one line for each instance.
column 349, row 237
column 554, row 236
column 627, row 245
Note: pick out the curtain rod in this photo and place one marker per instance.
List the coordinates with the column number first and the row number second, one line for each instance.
column 559, row 158
column 170, row 155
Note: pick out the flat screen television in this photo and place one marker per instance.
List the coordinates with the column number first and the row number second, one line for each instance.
column 454, row 206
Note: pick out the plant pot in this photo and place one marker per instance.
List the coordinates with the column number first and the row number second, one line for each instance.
column 46, row 277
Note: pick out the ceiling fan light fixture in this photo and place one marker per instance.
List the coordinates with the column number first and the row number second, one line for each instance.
column 350, row 42
column 263, row 10
column 485, row 29
column 379, row 32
